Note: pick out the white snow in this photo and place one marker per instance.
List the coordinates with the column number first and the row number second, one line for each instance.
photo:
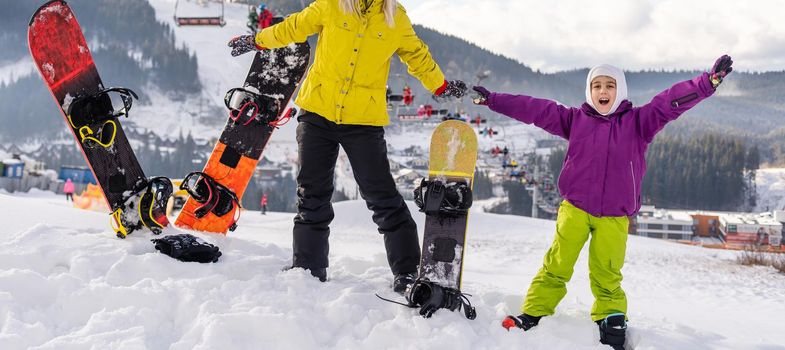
column 11, row 72
column 771, row 189
column 67, row 283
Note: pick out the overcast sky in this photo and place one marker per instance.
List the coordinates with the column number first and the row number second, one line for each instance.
column 633, row 34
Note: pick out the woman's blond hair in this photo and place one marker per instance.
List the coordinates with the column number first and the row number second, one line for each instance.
column 353, row 6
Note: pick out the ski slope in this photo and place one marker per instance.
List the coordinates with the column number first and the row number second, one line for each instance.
column 218, row 72
column 771, row 189
column 67, row 283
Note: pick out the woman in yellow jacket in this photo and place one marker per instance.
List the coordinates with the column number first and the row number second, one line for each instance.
column 343, row 101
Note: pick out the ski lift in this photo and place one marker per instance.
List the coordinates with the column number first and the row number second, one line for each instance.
column 511, row 164
column 488, row 131
column 392, row 99
column 454, row 116
column 404, row 100
column 403, row 103
column 478, row 120
column 199, row 20
column 495, row 151
column 517, row 173
column 408, row 98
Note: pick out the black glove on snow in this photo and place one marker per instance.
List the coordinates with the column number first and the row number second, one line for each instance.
column 186, row 247
column 243, row 44
column 722, row 67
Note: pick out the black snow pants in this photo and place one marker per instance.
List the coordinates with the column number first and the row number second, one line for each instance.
column 318, row 140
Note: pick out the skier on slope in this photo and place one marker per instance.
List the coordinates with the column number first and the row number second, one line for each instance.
column 265, row 17
column 253, row 19
column 343, row 104
column 600, row 183
column 68, row 189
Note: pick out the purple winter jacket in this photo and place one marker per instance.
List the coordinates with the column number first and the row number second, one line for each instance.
column 605, row 162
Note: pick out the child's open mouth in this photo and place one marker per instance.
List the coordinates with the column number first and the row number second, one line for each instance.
column 604, row 101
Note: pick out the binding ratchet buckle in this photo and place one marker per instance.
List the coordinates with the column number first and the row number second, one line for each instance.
column 212, row 197
column 449, row 199
column 93, row 116
column 153, row 195
column 246, row 106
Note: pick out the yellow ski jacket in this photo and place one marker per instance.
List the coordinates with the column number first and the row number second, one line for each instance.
column 347, row 82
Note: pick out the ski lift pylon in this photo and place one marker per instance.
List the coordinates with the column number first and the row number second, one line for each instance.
column 199, row 20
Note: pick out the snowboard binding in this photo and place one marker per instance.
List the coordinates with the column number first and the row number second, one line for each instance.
column 213, row 197
column 148, row 201
column 430, row 297
column 451, row 199
column 246, row 106
column 93, row 116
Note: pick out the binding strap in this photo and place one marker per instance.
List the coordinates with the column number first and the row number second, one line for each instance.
column 97, row 107
column 155, row 193
column 85, row 114
column 435, row 197
column 246, row 106
column 116, row 222
column 93, row 139
column 212, row 197
column 430, row 297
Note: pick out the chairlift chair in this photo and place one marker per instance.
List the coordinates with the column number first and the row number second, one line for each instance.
column 199, row 20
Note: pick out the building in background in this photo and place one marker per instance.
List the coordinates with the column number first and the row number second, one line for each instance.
column 77, row 174
column 706, row 224
column 750, row 230
column 13, row 168
column 662, row 223
column 732, row 230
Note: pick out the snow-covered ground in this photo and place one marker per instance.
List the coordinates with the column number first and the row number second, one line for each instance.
column 67, row 283
column 771, row 189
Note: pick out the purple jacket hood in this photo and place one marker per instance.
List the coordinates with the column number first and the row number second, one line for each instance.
column 605, row 162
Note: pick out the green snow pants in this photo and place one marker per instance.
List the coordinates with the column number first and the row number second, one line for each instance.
column 606, row 257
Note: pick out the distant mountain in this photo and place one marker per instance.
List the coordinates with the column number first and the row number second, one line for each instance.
column 128, row 44
column 748, row 104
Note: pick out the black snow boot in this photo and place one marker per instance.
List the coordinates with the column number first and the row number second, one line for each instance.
column 403, row 281
column 613, row 331
column 522, row 321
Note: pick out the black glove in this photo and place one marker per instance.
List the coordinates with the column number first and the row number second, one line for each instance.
column 186, row 247
column 482, row 95
column 243, row 44
column 453, row 89
column 722, row 67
